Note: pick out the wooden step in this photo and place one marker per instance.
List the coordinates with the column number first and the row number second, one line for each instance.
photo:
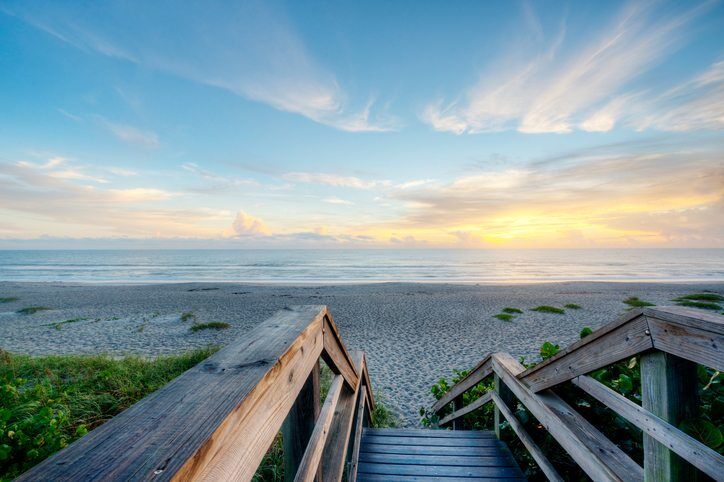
column 434, row 455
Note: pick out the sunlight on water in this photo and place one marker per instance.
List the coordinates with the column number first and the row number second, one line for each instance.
column 345, row 266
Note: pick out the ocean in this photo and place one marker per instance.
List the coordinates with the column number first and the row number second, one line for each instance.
column 363, row 265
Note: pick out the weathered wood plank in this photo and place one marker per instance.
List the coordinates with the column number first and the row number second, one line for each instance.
column 299, row 424
column 458, row 460
column 334, row 456
column 695, row 452
column 623, row 340
column 436, row 441
column 414, row 432
column 668, row 390
column 335, row 354
column 446, row 471
column 692, row 343
column 476, row 375
column 503, row 393
column 488, row 450
column 359, row 425
column 527, row 441
column 467, row 409
column 695, row 318
column 216, row 419
column 313, row 455
column 594, row 453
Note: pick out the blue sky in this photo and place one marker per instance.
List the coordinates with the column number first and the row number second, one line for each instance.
column 452, row 124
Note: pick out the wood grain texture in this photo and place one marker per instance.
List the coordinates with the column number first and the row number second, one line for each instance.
column 692, row 343
column 313, row 455
column 695, row 452
column 506, row 396
column 668, row 390
column 476, row 375
column 592, row 451
column 215, row 421
column 359, row 425
column 335, row 354
column 527, row 441
column 430, row 478
column 616, row 343
column 299, row 424
column 428, row 433
column 334, row 456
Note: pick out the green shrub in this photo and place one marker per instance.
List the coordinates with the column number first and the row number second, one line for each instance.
column 8, row 299
column 713, row 297
column 214, row 325
column 548, row 309
column 503, row 316
column 512, row 311
column 573, row 306
column 635, row 302
column 188, row 316
column 47, row 402
column 585, row 332
column 30, row 310
column 699, row 304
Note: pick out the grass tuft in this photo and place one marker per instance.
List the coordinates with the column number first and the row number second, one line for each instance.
column 573, row 306
column 503, row 316
column 699, row 304
column 635, row 302
column 512, row 310
column 47, row 402
column 8, row 299
column 31, row 310
column 712, row 297
column 548, row 309
column 214, row 325
column 188, row 316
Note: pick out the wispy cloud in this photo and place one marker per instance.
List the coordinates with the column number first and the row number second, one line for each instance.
column 248, row 48
column 336, row 200
column 130, row 134
column 555, row 87
column 333, row 180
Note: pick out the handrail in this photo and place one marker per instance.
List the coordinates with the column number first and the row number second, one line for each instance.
column 216, row 420
column 689, row 336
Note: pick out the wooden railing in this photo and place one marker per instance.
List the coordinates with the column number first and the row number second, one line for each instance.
column 217, row 420
column 671, row 341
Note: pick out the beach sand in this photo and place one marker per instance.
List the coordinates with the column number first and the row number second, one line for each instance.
column 412, row 334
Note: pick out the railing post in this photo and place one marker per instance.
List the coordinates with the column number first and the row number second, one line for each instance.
column 457, row 404
column 669, row 390
column 508, row 398
column 299, row 424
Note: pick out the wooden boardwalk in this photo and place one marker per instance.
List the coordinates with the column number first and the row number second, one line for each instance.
column 430, row 455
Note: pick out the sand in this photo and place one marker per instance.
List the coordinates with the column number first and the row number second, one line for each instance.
column 412, row 334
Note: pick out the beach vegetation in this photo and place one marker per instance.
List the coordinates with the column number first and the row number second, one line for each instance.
column 8, row 299
column 704, row 305
column 712, row 297
column 572, row 306
column 48, row 402
column 512, row 311
column 636, row 302
column 503, row 316
column 188, row 316
column 213, row 325
column 548, row 309
column 59, row 324
column 30, row 310
column 623, row 377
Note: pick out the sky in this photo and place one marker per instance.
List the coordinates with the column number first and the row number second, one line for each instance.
column 403, row 124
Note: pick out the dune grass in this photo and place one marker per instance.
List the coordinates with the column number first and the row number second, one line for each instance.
column 214, row 325
column 31, row 310
column 188, row 316
column 636, row 302
column 512, row 310
column 47, row 402
column 699, row 304
column 8, row 299
column 59, row 324
column 573, row 306
column 548, row 309
column 711, row 297
column 503, row 317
